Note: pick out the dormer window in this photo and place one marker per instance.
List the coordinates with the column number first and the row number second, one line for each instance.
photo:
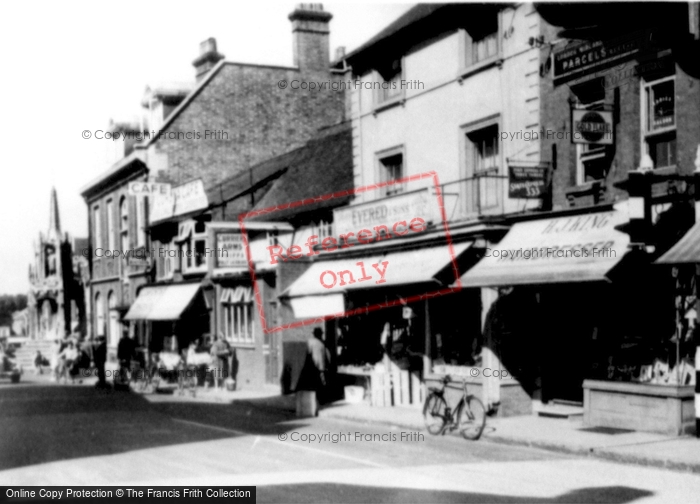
column 390, row 78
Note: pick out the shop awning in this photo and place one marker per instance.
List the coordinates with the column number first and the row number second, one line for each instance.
column 574, row 248
column 687, row 250
column 401, row 268
column 162, row 302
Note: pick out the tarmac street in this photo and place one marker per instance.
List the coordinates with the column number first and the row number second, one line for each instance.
column 76, row 435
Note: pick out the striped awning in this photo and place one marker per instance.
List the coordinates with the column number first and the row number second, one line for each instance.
column 687, row 250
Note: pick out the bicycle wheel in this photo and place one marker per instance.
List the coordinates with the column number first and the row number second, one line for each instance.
column 472, row 419
column 434, row 412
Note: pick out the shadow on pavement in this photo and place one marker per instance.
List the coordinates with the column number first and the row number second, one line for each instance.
column 340, row 493
column 47, row 423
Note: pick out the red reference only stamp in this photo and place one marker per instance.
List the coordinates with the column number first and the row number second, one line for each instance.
column 362, row 225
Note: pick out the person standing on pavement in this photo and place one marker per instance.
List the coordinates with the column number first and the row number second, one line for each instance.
column 125, row 353
column 220, row 353
column 314, row 374
column 99, row 356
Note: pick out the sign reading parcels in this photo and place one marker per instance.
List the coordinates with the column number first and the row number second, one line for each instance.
column 592, row 127
column 529, row 182
column 590, row 55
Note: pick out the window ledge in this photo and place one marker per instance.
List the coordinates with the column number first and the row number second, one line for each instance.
column 245, row 346
column 393, row 102
column 586, row 187
column 479, row 67
column 666, row 170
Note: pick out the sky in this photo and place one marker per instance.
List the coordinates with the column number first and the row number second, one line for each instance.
column 72, row 66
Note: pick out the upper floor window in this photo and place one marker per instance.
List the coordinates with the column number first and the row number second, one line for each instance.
column 485, row 155
column 111, row 231
column 97, row 226
column 391, row 168
column 482, row 40
column 124, row 222
column 592, row 160
column 141, row 209
column 659, row 121
column 482, row 188
column 390, row 87
column 192, row 247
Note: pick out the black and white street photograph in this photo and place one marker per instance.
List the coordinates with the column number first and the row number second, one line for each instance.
column 353, row 252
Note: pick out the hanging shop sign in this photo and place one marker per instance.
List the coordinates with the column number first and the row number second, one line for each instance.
column 528, row 182
column 589, row 56
column 592, row 127
column 230, row 251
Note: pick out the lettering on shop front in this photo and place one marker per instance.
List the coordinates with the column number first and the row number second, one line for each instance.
column 577, row 224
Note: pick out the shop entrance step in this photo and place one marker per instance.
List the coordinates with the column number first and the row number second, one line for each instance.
column 554, row 410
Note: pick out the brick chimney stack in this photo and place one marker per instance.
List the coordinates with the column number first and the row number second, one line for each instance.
column 311, row 42
column 207, row 59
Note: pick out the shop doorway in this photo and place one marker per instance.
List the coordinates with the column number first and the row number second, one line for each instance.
column 271, row 348
column 571, row 317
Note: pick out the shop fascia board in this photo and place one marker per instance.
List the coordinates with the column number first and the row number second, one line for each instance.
column 432, row 238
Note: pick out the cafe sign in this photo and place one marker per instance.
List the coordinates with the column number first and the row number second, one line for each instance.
column 588, row 56
column 181, row 200
column 592, row 127
column 527, row 182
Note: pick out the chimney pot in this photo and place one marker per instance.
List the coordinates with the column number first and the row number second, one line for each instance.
column 339, row 53
column 207, row 59
column 310, row 31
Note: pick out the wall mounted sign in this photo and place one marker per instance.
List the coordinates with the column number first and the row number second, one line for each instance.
column 386, row 211
column 181, row 200
column 592, row 127
column 588, row 56
column 528, row 182
column 230, row 251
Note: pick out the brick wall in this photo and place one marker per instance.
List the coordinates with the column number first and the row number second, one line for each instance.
column 255, row 117
column 555, row 116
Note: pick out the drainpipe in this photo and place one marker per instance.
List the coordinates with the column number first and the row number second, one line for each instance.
column 696, row 195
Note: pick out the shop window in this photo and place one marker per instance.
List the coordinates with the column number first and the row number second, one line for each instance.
column 97, row 226
column 592, row 161
column 124, row 222
column 659, row 121
column 390, row 77
column 391, row 168
column 111, row 231
column 237, row 307
column 482, row 41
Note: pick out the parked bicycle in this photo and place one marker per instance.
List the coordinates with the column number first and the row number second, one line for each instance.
column 468, row 417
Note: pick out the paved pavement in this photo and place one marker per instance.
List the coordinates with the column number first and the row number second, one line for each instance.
column 567, row 436
column 61, row 435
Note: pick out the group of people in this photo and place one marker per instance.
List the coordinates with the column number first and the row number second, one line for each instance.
column 68, row 356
